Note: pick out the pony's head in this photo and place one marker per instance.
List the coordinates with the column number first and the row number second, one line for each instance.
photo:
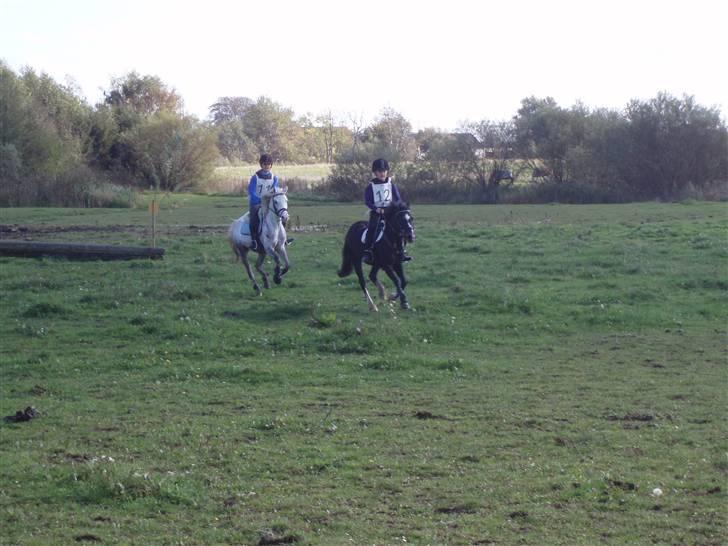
column 279, row 204
column 403, row 222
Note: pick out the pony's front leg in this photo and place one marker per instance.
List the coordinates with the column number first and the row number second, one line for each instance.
column 249, row 271
column 277, row 271
column 269, row 246
column 403, row 303
column 399, row 271
column 259, row 267
column 282, row 253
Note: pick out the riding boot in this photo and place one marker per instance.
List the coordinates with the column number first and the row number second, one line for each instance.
column 255, row 243
column 368, row 255
column 254, row 222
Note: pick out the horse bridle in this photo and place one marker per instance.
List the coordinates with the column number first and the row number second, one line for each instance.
column 276, row 209
column 403, row 211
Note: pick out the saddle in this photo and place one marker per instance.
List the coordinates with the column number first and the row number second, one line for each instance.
column 380, row 234
column 245, row 226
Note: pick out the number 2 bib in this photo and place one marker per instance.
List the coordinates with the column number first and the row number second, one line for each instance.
column 382, row 194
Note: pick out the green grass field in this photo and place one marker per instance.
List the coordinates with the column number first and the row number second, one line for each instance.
column 559, row 364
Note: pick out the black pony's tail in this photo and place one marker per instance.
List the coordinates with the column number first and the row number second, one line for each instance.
column 347, row 264
column 348, row 253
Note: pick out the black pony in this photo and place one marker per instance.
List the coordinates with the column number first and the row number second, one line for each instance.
column 395, row 229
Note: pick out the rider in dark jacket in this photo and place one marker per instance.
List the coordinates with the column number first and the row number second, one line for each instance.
column 380, row 194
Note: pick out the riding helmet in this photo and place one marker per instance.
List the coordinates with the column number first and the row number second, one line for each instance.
column 380, row 165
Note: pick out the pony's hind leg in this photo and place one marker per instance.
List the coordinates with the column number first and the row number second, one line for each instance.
column 363, row 283
column 249, row 271
column 377, row 282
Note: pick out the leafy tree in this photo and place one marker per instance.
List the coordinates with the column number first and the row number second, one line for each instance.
column 598, row 162
column 674, row 144
column 42, row 129
column 10, row 179
column 14, row 106
column 172, row 152
column 143, row 95
column 227, row 115
column 544, row 134
column 392, row 134
column 489, row 163
column 272, row 128
column 247, row 128
column 234, row 144
column 228, row 109
column 102, row 144
column 327, row 137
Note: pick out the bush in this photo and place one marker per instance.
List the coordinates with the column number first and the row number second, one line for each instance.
column 10, row 167
column 112, row 196
column 560, row 192
column 347, row 181
column 80, row 186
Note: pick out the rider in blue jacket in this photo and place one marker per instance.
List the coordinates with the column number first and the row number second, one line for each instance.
column 380, row 194
column 262, row 183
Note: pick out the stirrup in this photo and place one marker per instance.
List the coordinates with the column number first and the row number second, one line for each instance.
column 290, row 240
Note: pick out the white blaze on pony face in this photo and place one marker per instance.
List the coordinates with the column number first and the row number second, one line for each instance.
column 411, row 229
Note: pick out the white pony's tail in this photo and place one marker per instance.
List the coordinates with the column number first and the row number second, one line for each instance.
column 233, row 241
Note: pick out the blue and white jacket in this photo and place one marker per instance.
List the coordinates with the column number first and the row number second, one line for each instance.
column 260, row 185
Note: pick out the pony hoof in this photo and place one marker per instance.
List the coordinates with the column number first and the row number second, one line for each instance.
column 277, row 279
column 405, row 306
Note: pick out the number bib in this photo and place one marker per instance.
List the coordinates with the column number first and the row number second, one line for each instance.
column 264, row 187
column 382, row 194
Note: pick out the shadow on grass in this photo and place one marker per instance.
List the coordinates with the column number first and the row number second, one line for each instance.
column 266, row 312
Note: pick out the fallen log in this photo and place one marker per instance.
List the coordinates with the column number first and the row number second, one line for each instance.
column 76, row 251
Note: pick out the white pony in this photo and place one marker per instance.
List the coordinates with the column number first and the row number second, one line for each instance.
column 273, row 239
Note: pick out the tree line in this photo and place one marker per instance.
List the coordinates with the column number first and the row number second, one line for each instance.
column 56, row 149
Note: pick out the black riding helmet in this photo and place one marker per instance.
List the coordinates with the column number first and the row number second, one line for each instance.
column 380, row 165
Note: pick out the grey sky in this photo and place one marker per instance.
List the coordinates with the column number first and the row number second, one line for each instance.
column 437, row 64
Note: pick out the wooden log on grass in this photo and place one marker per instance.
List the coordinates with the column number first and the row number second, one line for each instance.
column 76, row 251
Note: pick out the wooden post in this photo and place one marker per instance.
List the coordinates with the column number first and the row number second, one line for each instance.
column 154, row 209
